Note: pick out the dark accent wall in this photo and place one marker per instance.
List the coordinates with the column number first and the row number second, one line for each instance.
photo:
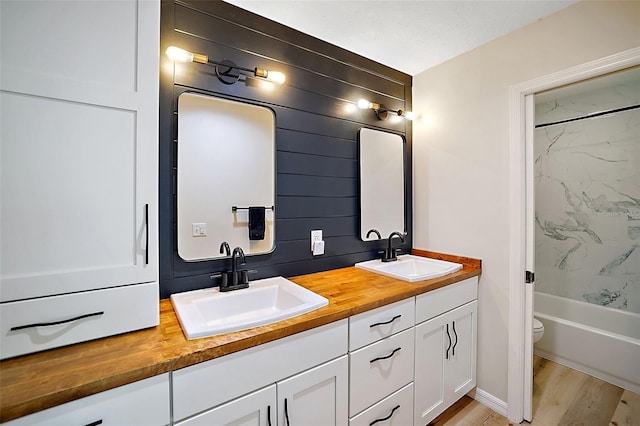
column 317, row 157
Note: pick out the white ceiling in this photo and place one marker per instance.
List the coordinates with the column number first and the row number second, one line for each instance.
column 408, row 35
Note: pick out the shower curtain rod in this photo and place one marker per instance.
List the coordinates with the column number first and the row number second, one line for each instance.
column 592, row 115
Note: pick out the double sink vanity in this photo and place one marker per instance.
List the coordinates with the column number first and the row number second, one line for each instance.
column 377, row 349
column 380, row 343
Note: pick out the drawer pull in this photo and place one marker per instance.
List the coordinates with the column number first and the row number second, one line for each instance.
column 453, row 351
column 385, row 357
column 386, row 322
column 146, row 233
column 385, row 418
column 449, row 347
column 96, row 423
column 286, row 412
column 268, row 415
column 46, row 324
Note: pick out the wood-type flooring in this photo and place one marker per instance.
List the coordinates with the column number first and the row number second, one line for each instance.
column 561, row 396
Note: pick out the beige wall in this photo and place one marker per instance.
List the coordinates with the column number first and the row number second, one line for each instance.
column 461, row 149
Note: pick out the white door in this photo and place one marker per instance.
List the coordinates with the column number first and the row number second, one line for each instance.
column 530, row 250
column 317, row 397
column 79, row 104
column 431, row 343
column 255, row 409
column 461, row 367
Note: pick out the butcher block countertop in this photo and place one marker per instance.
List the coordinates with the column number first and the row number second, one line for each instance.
column 35, row 382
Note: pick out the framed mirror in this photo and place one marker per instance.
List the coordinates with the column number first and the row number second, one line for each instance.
column 382, row 183
column 225, row 177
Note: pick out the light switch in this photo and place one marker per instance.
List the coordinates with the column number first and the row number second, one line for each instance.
column 198, row 229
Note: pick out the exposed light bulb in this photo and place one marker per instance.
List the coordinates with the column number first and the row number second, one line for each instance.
column 179, row 55
column 276, row 77
column 364, row 104
column 409, row 115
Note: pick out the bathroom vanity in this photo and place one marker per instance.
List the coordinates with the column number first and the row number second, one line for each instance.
column 350, row 362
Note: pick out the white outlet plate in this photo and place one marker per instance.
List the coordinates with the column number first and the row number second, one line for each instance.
column 315, row 236
column 198, row 229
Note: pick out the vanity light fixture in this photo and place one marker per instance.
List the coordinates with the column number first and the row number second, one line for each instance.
column 382, row 112
column 226, row 71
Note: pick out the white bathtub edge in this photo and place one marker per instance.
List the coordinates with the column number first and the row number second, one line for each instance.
column 605, row 355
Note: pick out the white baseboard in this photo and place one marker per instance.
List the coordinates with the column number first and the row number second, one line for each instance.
column 485, row 398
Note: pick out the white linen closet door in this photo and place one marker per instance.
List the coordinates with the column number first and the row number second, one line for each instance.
column 79, row 136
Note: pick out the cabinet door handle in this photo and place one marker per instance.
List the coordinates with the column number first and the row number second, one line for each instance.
column 286, row 412
column 146, row 233
column 385, row 418
column 46, row 324
column 268, row 415
column 449, row 347
column 385, row 357
column 453, row 351
column 96, row 423
column 386, row 322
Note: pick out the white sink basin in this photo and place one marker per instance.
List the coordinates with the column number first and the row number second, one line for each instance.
column 208, row 312
column 411, row 268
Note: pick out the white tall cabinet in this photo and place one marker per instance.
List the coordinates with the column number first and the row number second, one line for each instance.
column 78, row 176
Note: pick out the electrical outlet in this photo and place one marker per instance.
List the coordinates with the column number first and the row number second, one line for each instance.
column 315, row 236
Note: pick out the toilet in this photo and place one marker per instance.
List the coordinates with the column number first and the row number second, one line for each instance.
column 538, row 330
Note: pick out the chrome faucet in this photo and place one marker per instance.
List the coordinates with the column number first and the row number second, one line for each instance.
column 389, row 255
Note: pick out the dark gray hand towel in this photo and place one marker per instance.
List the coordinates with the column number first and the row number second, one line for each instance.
column 256, row 223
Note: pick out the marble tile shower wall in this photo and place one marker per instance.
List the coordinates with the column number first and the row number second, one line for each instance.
column 587, row 180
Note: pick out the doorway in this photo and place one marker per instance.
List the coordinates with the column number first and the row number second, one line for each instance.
column 520, row 370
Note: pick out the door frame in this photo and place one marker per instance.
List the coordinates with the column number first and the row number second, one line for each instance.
column 519, row 315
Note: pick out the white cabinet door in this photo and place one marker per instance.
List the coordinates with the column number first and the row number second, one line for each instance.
column 255, row 409
column 429, row 379
column 79, row 136
column 317, row 397
column 461, row 366
column 445, row 361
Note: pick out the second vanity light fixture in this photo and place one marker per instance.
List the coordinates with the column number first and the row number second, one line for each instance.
column 226, row 71
column 382, row 112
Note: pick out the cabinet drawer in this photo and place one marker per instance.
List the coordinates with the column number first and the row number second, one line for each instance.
column 379, row 323
column 380, row 369
column 56, row 321
column 436, row 302
column 143, row 403
column 395, row 410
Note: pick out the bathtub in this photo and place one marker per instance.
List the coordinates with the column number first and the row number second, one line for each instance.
column 602, row 342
